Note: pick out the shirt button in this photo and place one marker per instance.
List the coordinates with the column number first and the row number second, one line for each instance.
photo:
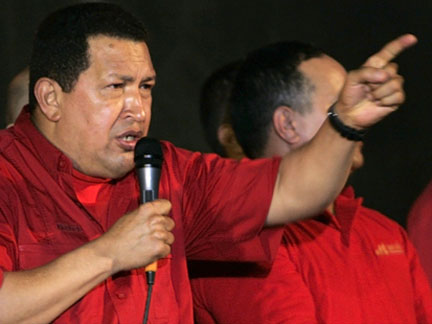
column 62, row 164
column 121, row 295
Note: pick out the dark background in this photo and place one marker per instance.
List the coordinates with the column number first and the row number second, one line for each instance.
column 189, row 39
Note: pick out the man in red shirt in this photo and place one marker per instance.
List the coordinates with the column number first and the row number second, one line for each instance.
column 350, row 264
column 73, row 240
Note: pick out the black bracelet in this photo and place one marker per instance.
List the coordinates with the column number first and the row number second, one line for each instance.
column 344, row 130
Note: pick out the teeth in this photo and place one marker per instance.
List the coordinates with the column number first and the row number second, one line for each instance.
column 129, row 138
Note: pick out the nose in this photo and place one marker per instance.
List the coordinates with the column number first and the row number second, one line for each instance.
column 135, row 106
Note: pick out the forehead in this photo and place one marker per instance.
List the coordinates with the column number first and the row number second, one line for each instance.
column 324, row 71
column 113, row 53
column 327, row 77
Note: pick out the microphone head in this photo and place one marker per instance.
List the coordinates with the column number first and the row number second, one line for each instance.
column 148, row 151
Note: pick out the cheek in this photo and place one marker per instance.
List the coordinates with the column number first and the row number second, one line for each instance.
column 105, row 116
column 315, row 124
column 148, row 116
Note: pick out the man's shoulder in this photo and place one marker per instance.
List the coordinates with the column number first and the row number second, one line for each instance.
column 369, row 215
column 12, row 144
column 170, row 150
column 184, row 159
column 375, row 222
column 7, row 137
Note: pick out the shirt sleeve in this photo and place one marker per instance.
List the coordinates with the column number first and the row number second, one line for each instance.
column 224, row 205
column 232, row 215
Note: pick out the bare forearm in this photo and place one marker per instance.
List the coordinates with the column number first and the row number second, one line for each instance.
column 311, row 177
column 42, row 294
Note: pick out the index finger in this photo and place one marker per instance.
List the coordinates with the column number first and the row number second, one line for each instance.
column 390, row 51
column 158, row 206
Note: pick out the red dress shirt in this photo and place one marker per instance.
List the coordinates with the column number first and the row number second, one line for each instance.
column 41, row 218
column 357, row 267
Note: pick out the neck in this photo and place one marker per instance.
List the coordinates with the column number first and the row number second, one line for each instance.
column 330, row 208
column 276, row 147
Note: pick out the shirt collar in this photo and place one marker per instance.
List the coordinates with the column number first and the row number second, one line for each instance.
column 346, row 207
column 54, row 160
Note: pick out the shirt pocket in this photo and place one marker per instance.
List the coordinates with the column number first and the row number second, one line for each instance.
column 36, row 255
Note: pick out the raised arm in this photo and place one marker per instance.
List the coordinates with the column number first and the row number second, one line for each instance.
column 42, row 294
column 311, row 177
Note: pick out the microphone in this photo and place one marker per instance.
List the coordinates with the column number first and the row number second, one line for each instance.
column 148, row 159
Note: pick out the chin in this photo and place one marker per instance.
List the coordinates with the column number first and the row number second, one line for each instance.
column 121, row 172
column 118, row 169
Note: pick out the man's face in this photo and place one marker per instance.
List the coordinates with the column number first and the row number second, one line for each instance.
column 327, row 77
column 109, row 108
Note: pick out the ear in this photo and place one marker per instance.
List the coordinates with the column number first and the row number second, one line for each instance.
column 48, row 94
column 285, row 124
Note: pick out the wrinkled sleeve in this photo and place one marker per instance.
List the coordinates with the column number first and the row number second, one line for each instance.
column 224, row 207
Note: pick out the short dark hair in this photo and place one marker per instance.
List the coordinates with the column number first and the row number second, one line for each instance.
column 60, row 46
column 214, row 103
column 269, row 78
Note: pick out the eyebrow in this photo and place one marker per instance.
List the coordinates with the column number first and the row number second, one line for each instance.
column 131, row 79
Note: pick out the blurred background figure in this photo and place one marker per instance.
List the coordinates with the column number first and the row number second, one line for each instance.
column 214, row 112
column 419, row 226
column 17, row 96
column 350, row 264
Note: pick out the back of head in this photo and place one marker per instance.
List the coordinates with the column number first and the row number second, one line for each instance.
column 60, row 47
column 214, row 103
column 268, row 78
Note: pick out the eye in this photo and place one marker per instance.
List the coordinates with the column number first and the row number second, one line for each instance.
column 116, row 85
column 147, row 86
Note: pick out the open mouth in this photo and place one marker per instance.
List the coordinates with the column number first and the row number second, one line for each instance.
column 129, row 139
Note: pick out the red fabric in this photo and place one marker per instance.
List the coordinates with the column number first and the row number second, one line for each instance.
column 419, row 226
column 93, row 194
column 41, row 218
column 357, row 268
column 245, row 293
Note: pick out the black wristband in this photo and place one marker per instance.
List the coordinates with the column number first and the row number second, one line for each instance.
column 344, row 130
